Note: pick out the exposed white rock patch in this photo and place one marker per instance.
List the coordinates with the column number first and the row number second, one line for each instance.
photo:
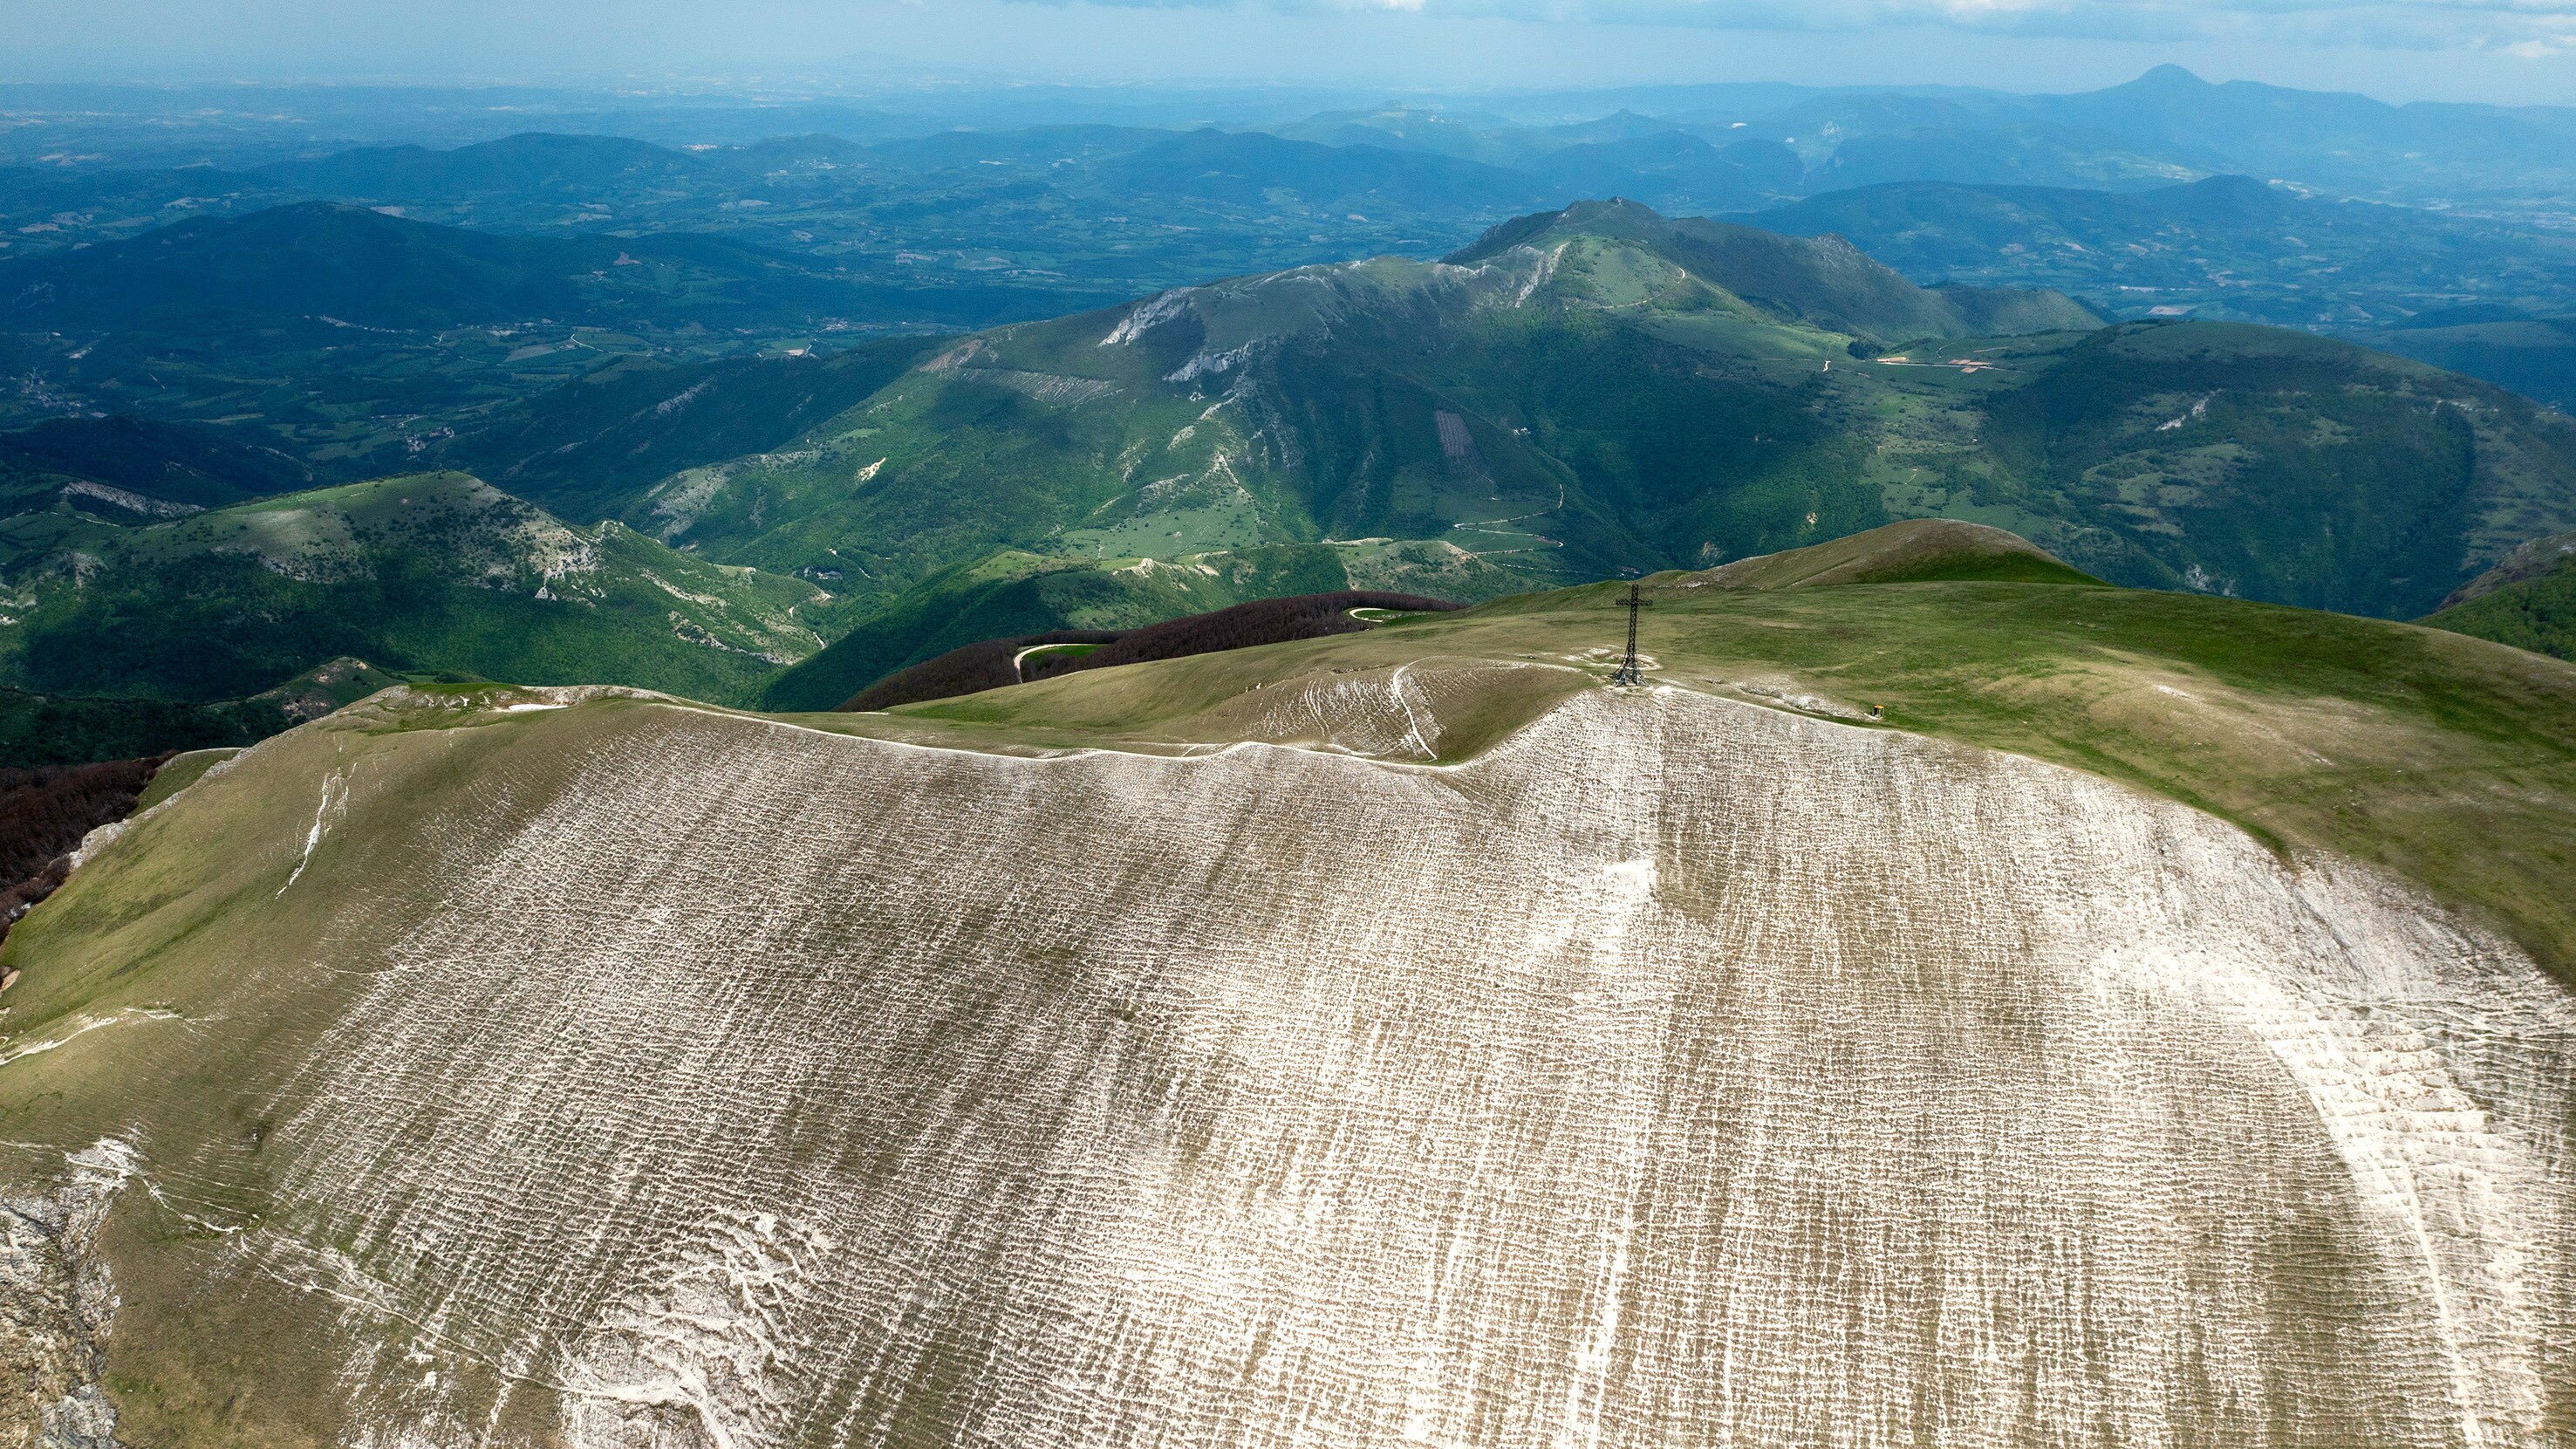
column 93, row 841
column 1389, row 714
column 1541, row 269
column 679, row 400
column 130, row 501
column 334, row 802
column 1147, row 314
column 684, row 497
column 955, row 357
column 1783, row 690
column 1210, row 364
column 1055, row 388
column 57, row 1303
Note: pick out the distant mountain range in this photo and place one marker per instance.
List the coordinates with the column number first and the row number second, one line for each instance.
column 2164, row 127
column 2224, row 201
column 1717, row 148
column 2223, row 247
column 362, row 338
column 331, row 265
column 530, row 168
column 2475, row 296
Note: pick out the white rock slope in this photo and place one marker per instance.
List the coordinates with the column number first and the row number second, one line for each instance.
column 1678, row 1073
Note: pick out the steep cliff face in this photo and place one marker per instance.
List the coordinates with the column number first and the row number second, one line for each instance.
column 1675, row 1071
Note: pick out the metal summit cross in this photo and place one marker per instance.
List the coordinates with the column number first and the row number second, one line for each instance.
column 1628, row 666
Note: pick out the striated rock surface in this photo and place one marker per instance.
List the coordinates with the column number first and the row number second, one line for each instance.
column 1677, row 1072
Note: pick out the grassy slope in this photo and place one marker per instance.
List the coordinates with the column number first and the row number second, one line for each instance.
column 2273, row 465
column 1016, row 593
column 172, row 911
column 575, row 449
column 179, row 772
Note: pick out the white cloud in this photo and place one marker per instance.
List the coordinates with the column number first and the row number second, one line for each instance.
column 2530, row 28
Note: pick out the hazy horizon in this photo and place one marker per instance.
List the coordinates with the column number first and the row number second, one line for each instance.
column 2502, row 51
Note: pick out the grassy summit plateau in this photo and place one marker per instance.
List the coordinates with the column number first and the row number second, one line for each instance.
column 1384, row 1037
column 2448, row 759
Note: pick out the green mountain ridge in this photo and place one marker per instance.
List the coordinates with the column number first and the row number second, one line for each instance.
column 575, row 449
column 191, row 465
column 1293, row 408
column 1018, row 593
column 1926, row 550
column 1821, row 282
column 1601, row 390
column 521, row 167
column 426, row 572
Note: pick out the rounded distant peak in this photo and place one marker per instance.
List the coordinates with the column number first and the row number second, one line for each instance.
column 1915, row 550
column 2171, row 77
column 1616, row 215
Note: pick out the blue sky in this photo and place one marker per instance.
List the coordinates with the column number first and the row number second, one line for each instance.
column 2503, row 50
